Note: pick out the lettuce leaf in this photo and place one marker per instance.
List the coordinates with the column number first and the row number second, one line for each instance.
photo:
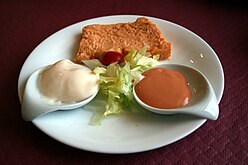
column 117, row 81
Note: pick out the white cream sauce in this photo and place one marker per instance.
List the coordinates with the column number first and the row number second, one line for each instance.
column 67, row 82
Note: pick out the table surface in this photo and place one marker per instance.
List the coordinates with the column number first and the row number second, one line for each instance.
column 223, row 24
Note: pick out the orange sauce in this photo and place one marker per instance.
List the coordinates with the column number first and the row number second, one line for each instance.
column 163, row 88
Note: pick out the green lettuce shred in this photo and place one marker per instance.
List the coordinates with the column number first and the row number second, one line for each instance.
column 116, row 81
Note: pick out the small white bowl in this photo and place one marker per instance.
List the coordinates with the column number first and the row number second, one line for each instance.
column 202, row 95
column 34, row 105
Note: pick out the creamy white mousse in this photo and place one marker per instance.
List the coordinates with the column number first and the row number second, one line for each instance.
column 67, row 82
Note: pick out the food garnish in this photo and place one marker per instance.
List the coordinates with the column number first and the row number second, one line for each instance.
column 117, row 81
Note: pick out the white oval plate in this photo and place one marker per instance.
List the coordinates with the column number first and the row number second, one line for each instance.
column 122, row 134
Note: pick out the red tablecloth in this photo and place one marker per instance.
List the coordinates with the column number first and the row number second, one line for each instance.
column 223, row 24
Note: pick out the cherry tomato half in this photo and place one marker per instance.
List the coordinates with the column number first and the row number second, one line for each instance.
column 111, row 57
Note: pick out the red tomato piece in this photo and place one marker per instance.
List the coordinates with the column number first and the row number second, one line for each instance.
column 111, row 57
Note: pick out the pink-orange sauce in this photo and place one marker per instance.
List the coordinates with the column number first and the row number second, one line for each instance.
column 163, row 88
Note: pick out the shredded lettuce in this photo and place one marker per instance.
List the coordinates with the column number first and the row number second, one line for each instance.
column 92, row 64
column 117, row 81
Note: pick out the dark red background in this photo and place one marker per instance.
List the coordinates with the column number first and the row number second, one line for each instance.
column 223, row 24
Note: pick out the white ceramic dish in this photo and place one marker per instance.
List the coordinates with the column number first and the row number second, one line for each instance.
column 122, row 134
